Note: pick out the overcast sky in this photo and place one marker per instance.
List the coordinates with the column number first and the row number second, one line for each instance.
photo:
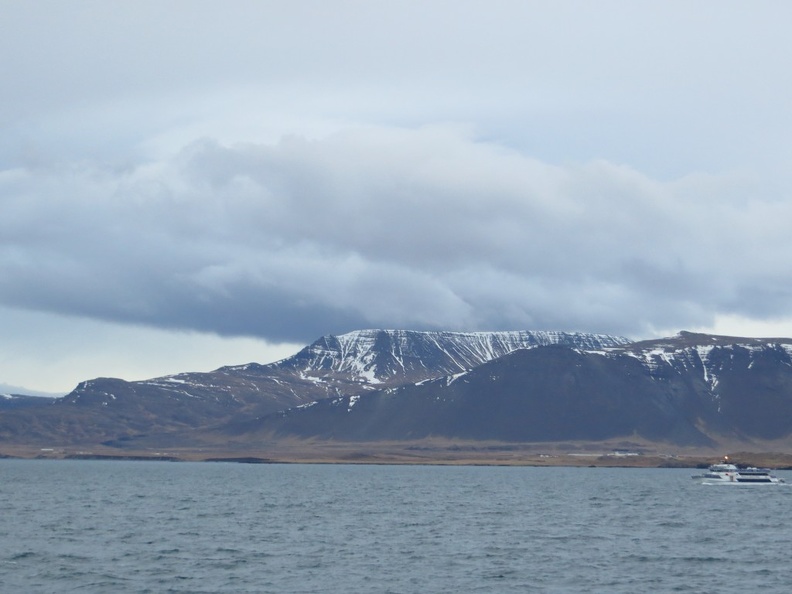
column 189, row 184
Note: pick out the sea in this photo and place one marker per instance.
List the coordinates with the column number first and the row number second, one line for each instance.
column 125, row 526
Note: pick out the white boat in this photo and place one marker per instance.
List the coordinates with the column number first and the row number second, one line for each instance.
column 726, row 473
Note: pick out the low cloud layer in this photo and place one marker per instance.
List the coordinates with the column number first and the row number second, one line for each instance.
column 423, row 227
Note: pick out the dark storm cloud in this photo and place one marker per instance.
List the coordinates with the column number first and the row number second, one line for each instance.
column 375, row 226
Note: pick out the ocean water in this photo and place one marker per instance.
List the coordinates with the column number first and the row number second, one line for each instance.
column 100, row 526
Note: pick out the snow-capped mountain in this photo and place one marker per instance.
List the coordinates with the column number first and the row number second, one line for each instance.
column 333, row 365
column 385, row 356
column 349, row 364
column 691, row 389
column 743, row 385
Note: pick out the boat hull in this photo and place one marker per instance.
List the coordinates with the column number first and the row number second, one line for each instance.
column 740, row 482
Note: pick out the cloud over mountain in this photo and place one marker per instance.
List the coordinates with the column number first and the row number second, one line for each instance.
column 424, row 227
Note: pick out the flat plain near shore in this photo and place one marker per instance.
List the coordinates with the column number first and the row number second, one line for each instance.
column 413, row 453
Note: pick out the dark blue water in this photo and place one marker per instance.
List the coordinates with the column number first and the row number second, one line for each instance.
column 84, row 526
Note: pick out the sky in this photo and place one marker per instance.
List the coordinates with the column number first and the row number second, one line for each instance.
column 191, row 184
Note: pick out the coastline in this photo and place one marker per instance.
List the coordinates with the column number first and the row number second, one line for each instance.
column 419, row 453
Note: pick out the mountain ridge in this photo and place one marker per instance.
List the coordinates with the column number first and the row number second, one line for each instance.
column 706, row 388
column 691, row 389
column 107, row 409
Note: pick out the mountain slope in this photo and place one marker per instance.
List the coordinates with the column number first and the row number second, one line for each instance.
column 544, row 394
column 744, row 384
column 687, row 390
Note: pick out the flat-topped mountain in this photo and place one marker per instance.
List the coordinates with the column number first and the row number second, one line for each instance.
column 692, row 389
column 105, row 409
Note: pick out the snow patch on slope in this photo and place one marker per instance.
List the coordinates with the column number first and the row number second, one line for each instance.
column 376, row 355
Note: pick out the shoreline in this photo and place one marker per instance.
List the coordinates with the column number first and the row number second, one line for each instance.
column 389, row 453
